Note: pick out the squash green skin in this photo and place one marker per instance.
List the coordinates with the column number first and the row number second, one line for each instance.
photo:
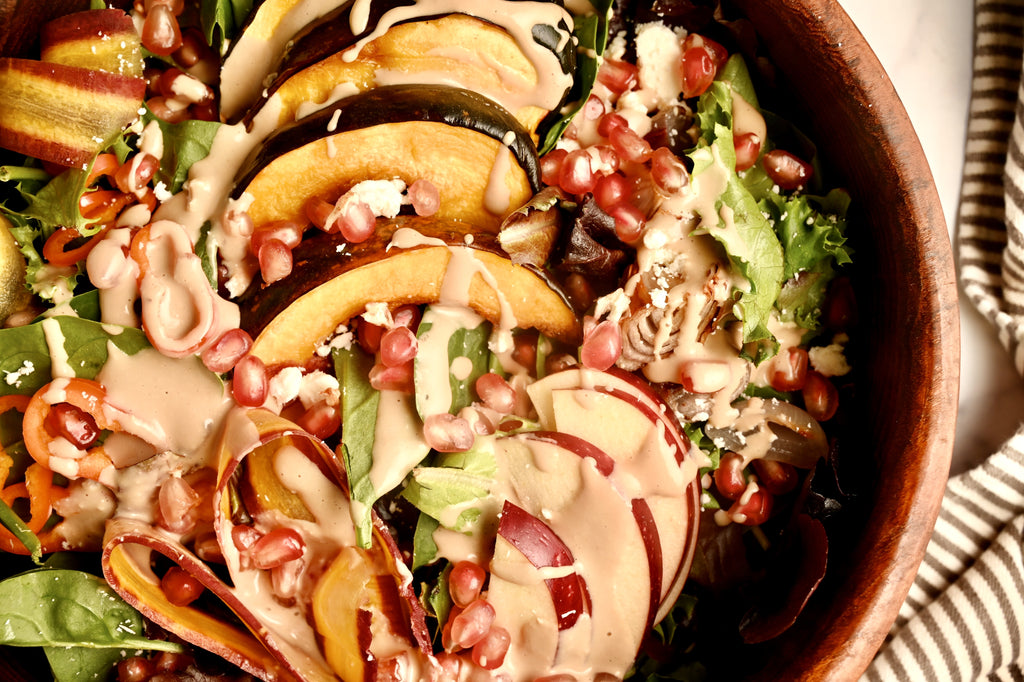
column 333, row 33
column 443, row 134
column 327, row 287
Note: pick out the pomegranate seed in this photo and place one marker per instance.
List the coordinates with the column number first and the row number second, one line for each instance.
column 134, row 669
column 447, row 433
column 359, row 223
column 425, row 197
column 611, row 190
column 593, row 109
column 704, row 376
column 524, row 350
column 776, row 477
column 275, row 260
column 207, row 548
column 471, row 624
column 701, row 58
column 748, row 148
column 165, row 112
column 407, row 316
column 558, row 362
column 244, row 537
column 161, row 34
column 398, row 346
column 789, row 370
column 321, row 420
column 551, row 166
column 579, row 290
column 489, row 652
column 170, row 662
column 288, row 232
column 786, row 170
column 752, row 509
column 193, row 48
column 180, row 587
column 602, row 346
column 840, row 305
column 384, row 378
column 610, row 122
column 74, row 424
column 821, row 399
column 465, row 582
column 285, row 579
column 496, row 393
column 576, row 175
column 277, row 547
column 227, row 350
column 630, row 146
column 237, row 223
column 618, row 76
column 603, row 159
column 318, row 210
column 729, row 479
column 249, row 382
column 175, row 6
column 668, row 173
column 177, row 502
column 369, row 336
column 629, row 221
column 204, row 111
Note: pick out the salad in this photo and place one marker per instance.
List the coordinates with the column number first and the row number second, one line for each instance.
column 410, row 340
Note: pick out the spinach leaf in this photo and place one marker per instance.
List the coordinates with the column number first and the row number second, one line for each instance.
column 184, row 144
column 439, row 329
column 25, row 355
column 424, row 549
column 591, row 32
column 747, row 236
column 222, row 20
column 80, row 663
column 359, row 402
column 63, row 608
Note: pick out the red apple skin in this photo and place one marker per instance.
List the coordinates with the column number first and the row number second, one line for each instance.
column 543, row 548
column 584, row 448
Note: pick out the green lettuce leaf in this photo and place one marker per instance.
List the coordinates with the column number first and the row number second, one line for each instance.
column 184, row 144
column 454, row 482
column 222, row 20
column 746, row 235
column 812, row 233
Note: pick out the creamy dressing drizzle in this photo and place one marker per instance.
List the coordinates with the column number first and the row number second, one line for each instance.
column 398, row 443
column 517, row 18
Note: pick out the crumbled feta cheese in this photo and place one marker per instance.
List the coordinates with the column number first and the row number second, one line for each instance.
column 830, row 360
column 384, row 197
column 283, row 388
column 14, row 378
column 318, row 387
column 612, row 306
column 379, row 314
column 658, row 52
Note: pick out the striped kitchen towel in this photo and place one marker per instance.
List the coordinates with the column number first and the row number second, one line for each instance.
column 964, row 616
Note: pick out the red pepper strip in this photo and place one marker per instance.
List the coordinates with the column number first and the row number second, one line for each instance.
column 54, row 249
column 105, row 164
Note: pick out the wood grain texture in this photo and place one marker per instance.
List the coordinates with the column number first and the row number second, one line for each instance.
column 907, row 298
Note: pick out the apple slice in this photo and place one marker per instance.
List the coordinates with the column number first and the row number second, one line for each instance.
column 565, row 488
column 64, row 114
column 103, row 39
column 654, row 458
column 481, row 160
column 332, row 282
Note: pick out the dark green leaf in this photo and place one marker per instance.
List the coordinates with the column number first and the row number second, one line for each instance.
column 424, row 549
column 62, row 608
column 223, row 19
column 75, row 664
column 591, row 33
column 207, row 254
column 25, row 355
column 359, row 402
column 184, row 144
column 438, row 329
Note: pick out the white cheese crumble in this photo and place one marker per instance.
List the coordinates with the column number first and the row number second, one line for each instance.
column 830, row 360
column 14, row 378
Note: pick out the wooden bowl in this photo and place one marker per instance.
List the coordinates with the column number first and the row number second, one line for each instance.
column 901, row 436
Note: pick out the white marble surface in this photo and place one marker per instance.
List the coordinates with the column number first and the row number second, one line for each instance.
column 926, row 48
